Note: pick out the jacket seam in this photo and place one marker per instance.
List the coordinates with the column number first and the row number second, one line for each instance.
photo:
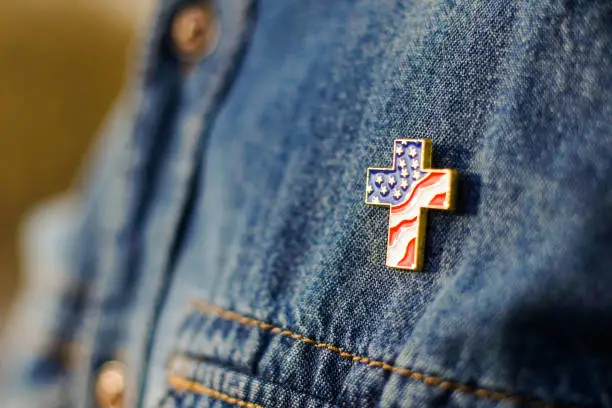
column 430, row 380
column 183, row 384
column 178, row 366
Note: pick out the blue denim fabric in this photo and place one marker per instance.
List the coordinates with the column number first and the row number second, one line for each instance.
column 237, row 255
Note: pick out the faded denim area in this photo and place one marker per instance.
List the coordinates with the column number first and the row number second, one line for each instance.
column 245, row 191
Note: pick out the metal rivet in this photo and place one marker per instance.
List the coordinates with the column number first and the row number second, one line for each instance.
column 194, row 31
column 110, row 385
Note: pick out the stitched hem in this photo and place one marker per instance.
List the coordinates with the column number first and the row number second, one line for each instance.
column 183, row 384
column 239, row 385
column 430, row 380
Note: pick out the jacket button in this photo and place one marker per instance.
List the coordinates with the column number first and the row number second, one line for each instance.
column 194, row 31
column 110, row 385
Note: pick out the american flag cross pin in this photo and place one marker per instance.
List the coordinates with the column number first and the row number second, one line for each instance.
column 409, row 187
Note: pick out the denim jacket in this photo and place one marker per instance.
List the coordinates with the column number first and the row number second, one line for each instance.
column 226, row 255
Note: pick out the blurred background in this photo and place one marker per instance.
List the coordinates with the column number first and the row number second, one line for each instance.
column 62, row 64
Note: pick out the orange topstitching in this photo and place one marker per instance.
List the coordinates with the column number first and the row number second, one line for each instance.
column 182, row 384
column 430, row 380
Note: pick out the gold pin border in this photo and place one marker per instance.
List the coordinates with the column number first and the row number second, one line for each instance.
column 449, row 204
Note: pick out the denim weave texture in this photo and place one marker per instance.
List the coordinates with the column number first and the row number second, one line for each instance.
column 246, row 253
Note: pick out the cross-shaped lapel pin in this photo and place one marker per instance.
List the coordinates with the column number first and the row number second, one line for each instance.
column 409, row 187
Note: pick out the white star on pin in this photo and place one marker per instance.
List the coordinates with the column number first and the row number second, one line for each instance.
column 412, row 151
column 369, row 189
column 384, row 190
column 399, row 150
column 404, row 172
column 402, row 163
column 404, row 142
column 414, row 164
column 397, row 194
column 379, row 179
column 375, row 200
column 404, row 184
column 416, row 174
column 391, row 181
